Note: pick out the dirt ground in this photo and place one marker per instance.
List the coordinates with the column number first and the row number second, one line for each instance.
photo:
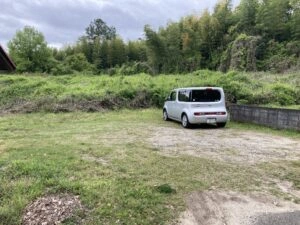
column 228, row 145
column 231, row 208
column 239, row 147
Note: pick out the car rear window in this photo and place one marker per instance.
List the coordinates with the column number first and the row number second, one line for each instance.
column 208, row 95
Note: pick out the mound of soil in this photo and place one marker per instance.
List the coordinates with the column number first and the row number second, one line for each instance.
column 51, row 210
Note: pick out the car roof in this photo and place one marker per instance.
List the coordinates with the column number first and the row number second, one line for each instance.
column 198, row 88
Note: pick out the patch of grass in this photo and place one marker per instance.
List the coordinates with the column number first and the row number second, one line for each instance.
column 297, row 107
column 260, row 128
column 51, row 153
column 283, row 170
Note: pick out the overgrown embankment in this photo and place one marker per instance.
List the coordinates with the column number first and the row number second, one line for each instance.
column 32, row 93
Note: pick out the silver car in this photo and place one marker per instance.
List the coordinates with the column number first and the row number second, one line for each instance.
column 196, row 105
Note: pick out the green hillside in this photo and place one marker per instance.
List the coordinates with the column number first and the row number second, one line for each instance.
column 30, row 93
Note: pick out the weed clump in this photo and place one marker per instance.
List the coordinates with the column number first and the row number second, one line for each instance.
column 165, row 189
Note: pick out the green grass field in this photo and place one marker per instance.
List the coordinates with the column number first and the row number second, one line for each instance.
column 120, row 179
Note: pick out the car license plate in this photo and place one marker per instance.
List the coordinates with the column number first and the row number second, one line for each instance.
column 211, row 121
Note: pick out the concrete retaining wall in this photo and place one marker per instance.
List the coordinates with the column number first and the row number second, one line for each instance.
column 271, row 117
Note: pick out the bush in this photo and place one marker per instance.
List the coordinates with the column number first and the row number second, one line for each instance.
column 134, row 68
column 61, row 69
column 261, row 98
column 279, row 64
column 283, row 94
column 236, row 86
column 165, row 189
column 78, row 62
column 280, row 57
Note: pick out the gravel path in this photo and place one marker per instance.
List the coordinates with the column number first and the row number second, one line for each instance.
column 227, row 144
column 290, row 218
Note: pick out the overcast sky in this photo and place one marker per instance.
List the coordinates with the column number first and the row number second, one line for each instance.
column 63, row 21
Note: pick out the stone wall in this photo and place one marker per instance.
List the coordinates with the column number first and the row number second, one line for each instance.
column 271, row 117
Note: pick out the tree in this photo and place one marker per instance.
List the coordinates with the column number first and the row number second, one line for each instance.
column 210, row 33
column 29, row 50
column 273, row 19
column 78, row 62
column 156, row 49
column 295, row 20
column 87, row 48
column 136, row 51
column 223, row 14
column 91, row 45
column 191, row 43
column 103, row 55
column 172, row 38
column 97, row 53
column 246, row 14
column 98, row 28
column 116, row 52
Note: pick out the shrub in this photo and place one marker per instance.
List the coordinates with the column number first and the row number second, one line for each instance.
column 235, row 86
column 165, row 189
column 61, row 69
column 283, row 94
column 78, row 62
column 134, row 68
column 279, row 64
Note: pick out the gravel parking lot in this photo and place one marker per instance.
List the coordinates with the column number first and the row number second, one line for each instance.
column 230, row 145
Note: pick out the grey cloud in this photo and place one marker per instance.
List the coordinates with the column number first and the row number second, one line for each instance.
column 64, row 21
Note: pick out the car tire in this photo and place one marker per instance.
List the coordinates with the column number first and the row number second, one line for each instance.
column 185, row 121
column 165, row 115
column 221, row 125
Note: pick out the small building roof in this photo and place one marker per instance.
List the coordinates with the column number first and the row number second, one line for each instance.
column 6, row 64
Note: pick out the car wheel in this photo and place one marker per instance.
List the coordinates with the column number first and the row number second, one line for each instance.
column 165, row 115
column 185, row 121
column 221, row 125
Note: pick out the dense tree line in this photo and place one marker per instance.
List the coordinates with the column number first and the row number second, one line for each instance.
column 256, row 35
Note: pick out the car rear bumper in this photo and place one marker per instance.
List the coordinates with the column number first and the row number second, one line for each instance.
column 208, row 119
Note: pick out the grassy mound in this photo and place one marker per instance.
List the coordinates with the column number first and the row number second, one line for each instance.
column 31, row 93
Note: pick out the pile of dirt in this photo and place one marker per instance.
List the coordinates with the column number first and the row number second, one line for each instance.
column 51, row 210
column 231, row 208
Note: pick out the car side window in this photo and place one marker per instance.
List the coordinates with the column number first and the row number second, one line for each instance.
column 184, row 96
column 173, row 96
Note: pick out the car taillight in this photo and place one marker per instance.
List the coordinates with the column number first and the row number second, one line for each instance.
column 209, row 113
column 221, row 113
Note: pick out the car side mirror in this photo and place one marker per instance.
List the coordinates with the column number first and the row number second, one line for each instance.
column 168, row 98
